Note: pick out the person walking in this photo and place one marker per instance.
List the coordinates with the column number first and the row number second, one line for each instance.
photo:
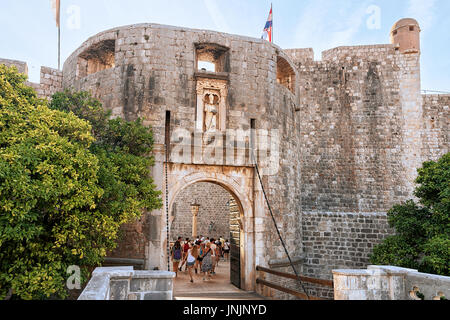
column 191, row 259
column 186, row 247
column 213, row 247
column 201, row 250
column 226, row 250
column 207, row 262
column 176, row 256
column 222, row 243
column 218, row 252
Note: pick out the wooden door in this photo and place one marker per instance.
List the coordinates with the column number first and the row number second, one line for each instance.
column 235, row 247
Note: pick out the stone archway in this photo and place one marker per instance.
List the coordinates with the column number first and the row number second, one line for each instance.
column 238, row 181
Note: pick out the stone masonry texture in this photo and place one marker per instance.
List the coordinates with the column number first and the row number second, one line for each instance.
column 353, row 130
column 214, row 204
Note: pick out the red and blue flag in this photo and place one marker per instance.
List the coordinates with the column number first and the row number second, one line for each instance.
column 268, row 29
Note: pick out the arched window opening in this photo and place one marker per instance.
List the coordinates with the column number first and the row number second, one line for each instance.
column 98, row 57
column 285, row 74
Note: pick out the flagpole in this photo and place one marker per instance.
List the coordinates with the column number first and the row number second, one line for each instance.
column 59, row 34
column 59, row 47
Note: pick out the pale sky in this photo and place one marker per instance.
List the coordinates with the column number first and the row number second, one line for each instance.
column 28, row 31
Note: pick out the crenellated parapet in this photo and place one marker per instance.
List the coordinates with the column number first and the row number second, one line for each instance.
column 50, row 79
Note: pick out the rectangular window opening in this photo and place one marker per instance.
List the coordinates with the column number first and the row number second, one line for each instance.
column 206, row 66
column 212, row 58
column 253, row 135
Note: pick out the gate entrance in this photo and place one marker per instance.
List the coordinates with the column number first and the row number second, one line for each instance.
column 234, row 187
column 208, row 211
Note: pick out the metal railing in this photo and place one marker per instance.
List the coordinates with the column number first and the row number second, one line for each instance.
column 435, row 91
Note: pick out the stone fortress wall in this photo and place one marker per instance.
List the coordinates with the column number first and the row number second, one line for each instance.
column 353, row 128
column 365, row 130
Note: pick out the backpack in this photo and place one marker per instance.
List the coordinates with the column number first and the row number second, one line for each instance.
column 177, row 254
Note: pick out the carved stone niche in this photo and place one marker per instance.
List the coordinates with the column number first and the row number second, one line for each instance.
column 211, row 104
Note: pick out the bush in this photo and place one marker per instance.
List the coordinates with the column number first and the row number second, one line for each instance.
column 422, row 239
column 395, row 251
column 66, row 186
column 123, row 149
column 48, row 193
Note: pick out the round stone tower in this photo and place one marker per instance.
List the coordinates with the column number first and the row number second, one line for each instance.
column 406, row 35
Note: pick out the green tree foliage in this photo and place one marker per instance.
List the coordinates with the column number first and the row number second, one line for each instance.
column 422, row 239
column 123, row 149
column 48, row 184
column 66, row 186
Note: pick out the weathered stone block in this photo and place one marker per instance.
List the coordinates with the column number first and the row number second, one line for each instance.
column 119, row 290
column 157, row 296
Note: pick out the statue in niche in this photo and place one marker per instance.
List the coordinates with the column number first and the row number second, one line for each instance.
column 211, row 112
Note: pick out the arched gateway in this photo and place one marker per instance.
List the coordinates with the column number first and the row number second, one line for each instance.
column 239, row 183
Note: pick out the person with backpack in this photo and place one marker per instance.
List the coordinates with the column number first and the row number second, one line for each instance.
column 186, row 247
column 176, row 256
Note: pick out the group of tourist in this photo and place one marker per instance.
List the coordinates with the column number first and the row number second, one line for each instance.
column 202, row 255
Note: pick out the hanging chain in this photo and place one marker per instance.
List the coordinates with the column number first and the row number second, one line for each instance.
column 275, row 223
column 167, row 205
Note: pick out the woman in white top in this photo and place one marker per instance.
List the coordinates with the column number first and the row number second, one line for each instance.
column 191, row 258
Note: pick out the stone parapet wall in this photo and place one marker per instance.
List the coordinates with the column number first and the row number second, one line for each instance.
column 51, row 82
column 300, row 56
column 389, row 283
column 21, row 66
column 123, row 283
column 369, row 52
column 50, row 79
